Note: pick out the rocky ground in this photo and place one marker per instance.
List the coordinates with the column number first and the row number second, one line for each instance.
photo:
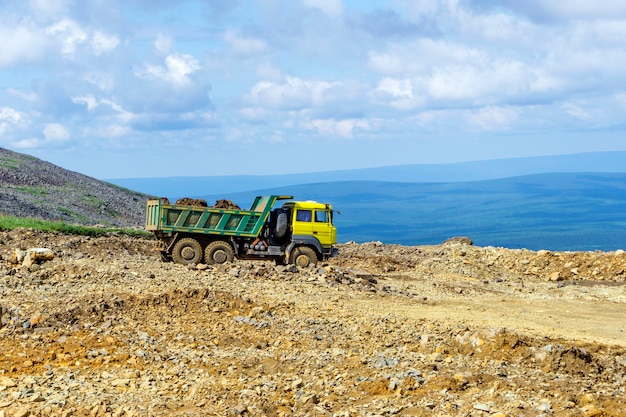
column 107, row 329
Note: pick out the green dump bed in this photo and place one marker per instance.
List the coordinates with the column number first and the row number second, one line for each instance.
column 162, row 217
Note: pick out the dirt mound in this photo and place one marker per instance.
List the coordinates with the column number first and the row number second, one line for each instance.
column 187, row 201
column 107, row 329
column 226, row 204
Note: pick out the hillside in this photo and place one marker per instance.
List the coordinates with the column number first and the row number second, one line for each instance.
column 30, row 187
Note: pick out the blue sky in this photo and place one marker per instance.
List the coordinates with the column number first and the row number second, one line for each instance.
column 155, row 88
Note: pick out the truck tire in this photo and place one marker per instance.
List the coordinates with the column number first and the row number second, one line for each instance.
column 281, row 225
column 218, row 252
column 187, row 251
column 304, row 257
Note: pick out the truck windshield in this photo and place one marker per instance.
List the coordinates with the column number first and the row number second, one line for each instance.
column 322, row 216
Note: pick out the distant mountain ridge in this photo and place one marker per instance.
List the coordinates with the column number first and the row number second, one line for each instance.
column 177, row 187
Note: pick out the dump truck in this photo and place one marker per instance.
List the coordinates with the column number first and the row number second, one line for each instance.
column 297, row 232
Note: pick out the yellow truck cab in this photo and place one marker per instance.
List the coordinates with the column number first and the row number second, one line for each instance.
column 312, row 226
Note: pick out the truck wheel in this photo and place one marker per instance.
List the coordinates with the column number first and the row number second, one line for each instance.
column 218, row 252
column 304, row 257
column 187, row 251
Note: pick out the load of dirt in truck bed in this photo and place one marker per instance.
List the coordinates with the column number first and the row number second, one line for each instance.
column 198, row 202
column 226, row 204
column 187, row 201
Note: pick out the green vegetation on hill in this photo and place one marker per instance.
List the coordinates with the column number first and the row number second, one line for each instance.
column 12, row 222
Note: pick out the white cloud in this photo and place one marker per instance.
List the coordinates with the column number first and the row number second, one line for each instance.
column 266, row 71
column 70, row 33
column 473, row 79
column 48, row 7
column 89, row 100
column 163, row 44
column 10, row 115
column 109, row 130
column 31, row 97
column 116, row 131
column 101, row 42
column 112, row 120
column 399, row 93
column 582, row 9
column 30, row 143
column 254, row 114
column 55, row 132
column 243, row 45
column 92, row 103
column 333, row 8
column 105, row 81
column 293, row 93
column 421, row 56
column 492, row 118
column 9, row 118
column 577, row 111
column 176, row 71
column 339, row 128
column 21, row 43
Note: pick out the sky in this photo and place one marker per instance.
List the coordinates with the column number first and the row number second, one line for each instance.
column 161, row 88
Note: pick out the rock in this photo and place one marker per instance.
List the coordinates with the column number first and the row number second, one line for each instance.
column 8, row 382
column 18, row 255
column 120, row 382
column 21, row 412
column 482, row 407
column 36, row 319
column 459, row 239
column 555, row 276
column 591, row 410
column 28, row 257
column 37, row 398
column 298, row 383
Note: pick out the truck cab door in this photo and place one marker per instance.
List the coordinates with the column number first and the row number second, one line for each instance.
column 316, row 223
column 302, row 222
column 323, row 228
